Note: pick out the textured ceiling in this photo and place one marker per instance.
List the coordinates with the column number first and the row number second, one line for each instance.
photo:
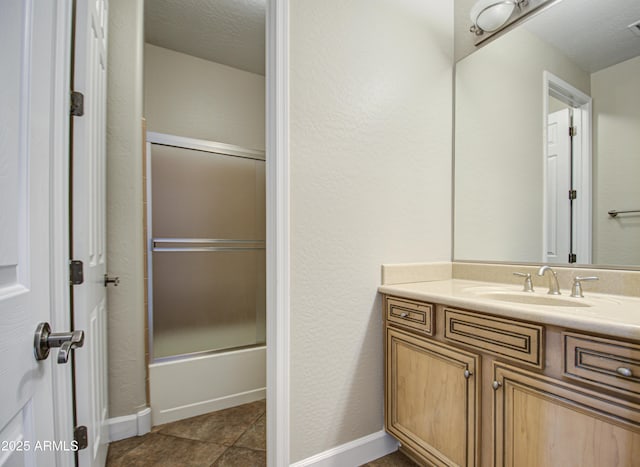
column 592, row 33
column 230, row 32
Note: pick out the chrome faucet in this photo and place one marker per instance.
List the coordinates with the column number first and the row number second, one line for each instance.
column 576, row 289
column 554, row 288
column 528, row 285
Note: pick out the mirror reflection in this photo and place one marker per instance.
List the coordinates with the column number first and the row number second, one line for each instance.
column 547, row 140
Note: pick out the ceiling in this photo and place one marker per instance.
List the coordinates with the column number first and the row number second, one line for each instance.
column 230, row 32
column 594, row 34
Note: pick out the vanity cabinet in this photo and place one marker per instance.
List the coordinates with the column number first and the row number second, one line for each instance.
column 481, row 390
column 541, row 421
column 432, row 398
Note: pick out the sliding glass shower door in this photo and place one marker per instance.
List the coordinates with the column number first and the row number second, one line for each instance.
column 207, row 234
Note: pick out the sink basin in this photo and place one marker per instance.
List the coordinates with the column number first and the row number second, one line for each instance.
column 534, row 299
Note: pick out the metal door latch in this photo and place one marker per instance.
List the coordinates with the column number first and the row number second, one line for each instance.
column 111, row 280
column 44, row 340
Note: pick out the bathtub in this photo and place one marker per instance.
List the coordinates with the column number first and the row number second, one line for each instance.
column 194, row 385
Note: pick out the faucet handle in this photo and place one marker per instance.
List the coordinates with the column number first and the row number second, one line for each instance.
column 528, row 285
column 576, row 290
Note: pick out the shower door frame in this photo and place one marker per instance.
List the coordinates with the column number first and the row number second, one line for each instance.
column 181, row 142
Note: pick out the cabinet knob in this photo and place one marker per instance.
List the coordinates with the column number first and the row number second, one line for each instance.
column 624, row 371
column 496, row 385
column 404, row 314
column 467, row 374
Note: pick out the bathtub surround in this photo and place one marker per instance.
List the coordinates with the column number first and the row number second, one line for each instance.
column 371, row 94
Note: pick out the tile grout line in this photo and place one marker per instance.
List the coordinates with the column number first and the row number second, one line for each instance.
column 251, row 425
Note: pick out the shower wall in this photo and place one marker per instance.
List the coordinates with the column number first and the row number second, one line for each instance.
column 196, row 98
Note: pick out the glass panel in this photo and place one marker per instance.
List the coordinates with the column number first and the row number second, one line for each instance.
column 207, row 296
column 204, row 195
column 207, row 301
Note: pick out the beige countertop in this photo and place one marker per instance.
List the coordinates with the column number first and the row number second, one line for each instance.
column 613, row 315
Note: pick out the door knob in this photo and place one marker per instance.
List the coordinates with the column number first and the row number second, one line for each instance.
column 44, row 340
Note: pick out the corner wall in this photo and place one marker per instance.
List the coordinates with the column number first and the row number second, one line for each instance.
column 370, row 154
column 125, row 243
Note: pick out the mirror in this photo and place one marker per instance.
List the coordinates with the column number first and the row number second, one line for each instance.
column 576, row 63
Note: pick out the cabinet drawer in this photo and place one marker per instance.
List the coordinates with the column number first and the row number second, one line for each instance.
column 417, row 315
column 607, row 363
column 512, row 340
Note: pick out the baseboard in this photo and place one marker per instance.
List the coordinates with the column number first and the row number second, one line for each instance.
column 130, row 425
column 356, row 452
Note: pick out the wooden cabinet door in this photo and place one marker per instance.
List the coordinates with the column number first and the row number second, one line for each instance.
column 432, row 399
column 540, row 421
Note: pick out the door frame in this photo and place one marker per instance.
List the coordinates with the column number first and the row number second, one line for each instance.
column 62, row 397
column 582, row 223
column 278, row 238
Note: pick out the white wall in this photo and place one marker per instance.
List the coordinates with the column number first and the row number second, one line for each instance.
column 127, row 392
column 371, row 110
column 499, row 139
column 192, row 97
column 616, row 155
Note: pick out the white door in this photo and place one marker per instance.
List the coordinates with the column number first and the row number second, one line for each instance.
column 33, row 45
column 89, row 226
column 558, row 184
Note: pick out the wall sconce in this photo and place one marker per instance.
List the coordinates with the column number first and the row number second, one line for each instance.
column 491, row 15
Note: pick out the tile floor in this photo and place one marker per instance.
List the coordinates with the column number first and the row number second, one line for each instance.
column 234, row 437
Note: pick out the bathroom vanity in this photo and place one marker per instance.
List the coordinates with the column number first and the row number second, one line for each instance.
column 483, row 374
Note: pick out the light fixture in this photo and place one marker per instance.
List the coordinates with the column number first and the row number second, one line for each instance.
column 491, row 15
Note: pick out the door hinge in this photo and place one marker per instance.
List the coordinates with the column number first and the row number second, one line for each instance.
column 573, row 194
column 76, row 272
column 572, row 258
column 573, row 131
column 80, row 437
column 77, row 104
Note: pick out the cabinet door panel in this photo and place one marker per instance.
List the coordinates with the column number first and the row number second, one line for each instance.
column 541, row 421
column 431, row 404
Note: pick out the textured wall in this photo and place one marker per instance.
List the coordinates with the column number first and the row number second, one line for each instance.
column 498, row 160
column 124, row 209
column 371, row 98
column 189, row 96
column 616, row 155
